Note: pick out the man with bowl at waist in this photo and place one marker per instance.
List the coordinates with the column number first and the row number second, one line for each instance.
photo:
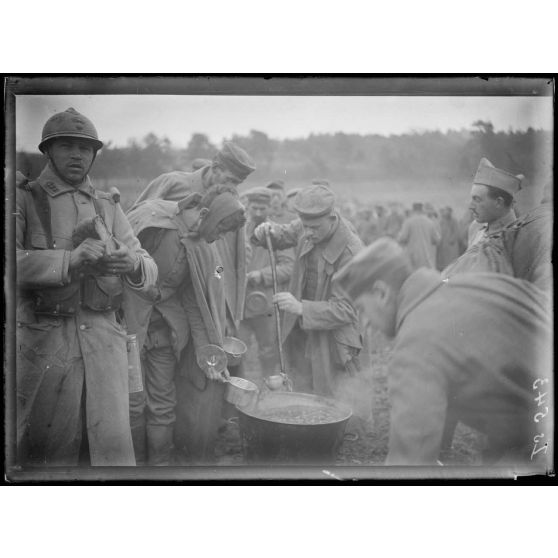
column 186, row 310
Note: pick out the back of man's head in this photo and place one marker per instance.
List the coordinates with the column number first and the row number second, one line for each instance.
column 384, row 260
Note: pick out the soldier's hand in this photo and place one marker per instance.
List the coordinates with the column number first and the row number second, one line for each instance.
column 288, row 303
column 254, row 277
column 90, row 250
column 212, row 374
column 259, row 231
column 224, row 376
column 121, row 260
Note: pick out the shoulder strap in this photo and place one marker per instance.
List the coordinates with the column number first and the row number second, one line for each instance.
column 99, row 210
column 42, row 207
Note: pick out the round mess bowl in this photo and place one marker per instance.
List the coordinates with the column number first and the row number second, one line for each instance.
column 289, row 427
column 240, row 392
column 235, row 349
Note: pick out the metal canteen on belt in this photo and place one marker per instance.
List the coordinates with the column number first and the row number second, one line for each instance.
column 257, row 302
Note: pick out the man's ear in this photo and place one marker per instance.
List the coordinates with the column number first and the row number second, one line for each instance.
column 500, row 202
column 203, row 212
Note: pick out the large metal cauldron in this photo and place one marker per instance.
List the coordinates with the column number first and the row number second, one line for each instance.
column 269, row 435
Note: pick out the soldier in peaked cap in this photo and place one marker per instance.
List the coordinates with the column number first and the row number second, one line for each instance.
column 492, row 196
column 230, row 166
column 258, row 311
column 72, row 361
column 477, row 347
column 319, row 325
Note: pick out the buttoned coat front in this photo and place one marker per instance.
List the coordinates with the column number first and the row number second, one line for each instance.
column 330, row 321
column 61, row 359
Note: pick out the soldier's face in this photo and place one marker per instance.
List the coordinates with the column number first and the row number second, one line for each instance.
column 484, row 208
column 223, row 176
column 317, row 229
column 72, row 158
column 258, row 212
column 276, row 200
column 228, row 224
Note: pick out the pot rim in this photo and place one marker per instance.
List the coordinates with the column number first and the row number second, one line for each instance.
column 252, row 413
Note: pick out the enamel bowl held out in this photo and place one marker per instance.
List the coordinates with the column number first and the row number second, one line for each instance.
column 283, row 427
column 234, row 349
column 240, row 392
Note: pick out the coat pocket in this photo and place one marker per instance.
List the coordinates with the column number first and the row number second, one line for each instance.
column 57, row 301
column 101, row 293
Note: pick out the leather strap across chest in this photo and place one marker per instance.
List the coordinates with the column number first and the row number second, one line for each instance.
column 42, row 207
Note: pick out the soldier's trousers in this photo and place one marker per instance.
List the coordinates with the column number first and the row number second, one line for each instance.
column 153, row 410
column 158, row 398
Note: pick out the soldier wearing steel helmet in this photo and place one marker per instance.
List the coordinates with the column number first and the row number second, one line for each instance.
column 72, row 365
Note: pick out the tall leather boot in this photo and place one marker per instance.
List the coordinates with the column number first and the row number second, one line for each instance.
column 159, row 444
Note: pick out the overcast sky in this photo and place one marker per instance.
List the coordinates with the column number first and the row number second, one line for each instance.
column 119, row 118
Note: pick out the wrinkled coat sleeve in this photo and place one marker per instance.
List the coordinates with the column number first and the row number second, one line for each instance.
column 284, row 262
column 327, row 314
column 37, row 268
column 168, row 186
column 282, row 236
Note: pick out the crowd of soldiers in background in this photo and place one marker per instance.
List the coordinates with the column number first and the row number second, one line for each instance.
column 377, row 221
column 372, row 221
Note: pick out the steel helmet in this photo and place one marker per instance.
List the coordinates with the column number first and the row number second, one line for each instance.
column 69, row 123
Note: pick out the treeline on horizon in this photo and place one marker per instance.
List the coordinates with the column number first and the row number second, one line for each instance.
column 339, row 157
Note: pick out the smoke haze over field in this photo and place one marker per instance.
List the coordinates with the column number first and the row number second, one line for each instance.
column 119, row 118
